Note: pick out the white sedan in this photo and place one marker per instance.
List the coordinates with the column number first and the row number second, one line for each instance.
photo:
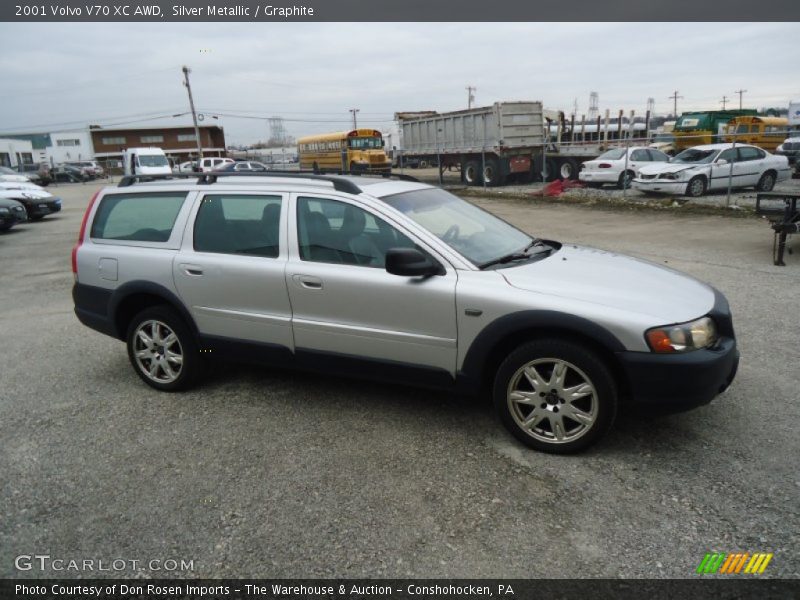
column 610, row 167
column 712, row 167
column 9, row 175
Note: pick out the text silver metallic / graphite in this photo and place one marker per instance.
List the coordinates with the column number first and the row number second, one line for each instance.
column 267, row 10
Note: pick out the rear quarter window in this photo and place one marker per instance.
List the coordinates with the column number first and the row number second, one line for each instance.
column 141, row 217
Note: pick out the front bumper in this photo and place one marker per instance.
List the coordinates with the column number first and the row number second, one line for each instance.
column 667, row 383
column 37, row 208
column 663, row 186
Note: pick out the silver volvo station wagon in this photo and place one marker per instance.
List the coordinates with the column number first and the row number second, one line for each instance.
column 391, row 279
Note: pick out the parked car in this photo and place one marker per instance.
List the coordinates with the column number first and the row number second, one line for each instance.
column 790, row 148
column 610, row 167
column 38, row 173
column 92, row 167
column 245, row 165
column 664, row 142
column 87, row 172
column 398, row 281
column 69, row 174
column 697, row 170
column 213, row 163
column 38, row 203
column 11, row 211
column 11, row 175
column 190, row 166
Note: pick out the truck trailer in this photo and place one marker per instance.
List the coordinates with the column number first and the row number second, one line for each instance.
column 497, row 144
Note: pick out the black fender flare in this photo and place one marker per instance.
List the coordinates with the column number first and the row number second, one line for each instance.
column 480, row 351
column 131, row 288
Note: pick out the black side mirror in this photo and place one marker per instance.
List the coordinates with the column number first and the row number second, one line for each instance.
column 410, row 262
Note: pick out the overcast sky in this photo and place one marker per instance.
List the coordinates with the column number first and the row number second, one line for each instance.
column 59, row 75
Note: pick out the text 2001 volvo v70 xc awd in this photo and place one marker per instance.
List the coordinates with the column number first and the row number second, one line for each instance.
column 397, row 280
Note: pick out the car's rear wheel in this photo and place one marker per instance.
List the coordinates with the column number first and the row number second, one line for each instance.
column 555, row 396
column 766, row 183
column 696, row 186
column 162, row 350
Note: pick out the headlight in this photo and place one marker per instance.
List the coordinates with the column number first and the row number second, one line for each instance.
column 684, row 337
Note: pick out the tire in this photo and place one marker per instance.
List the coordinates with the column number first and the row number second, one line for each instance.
column 157, row 363
column 471, row 172
column 551, row 168
column 625, row 178
column 315, row 168
column 696, row 186
column 491, row 173
column 766, row 183
column 568, row 170
column 36, row 218
column 555, row 366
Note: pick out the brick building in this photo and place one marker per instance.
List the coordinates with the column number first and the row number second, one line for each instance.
column 178, row 143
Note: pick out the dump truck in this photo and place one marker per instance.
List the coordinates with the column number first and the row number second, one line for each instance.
column 498, row 144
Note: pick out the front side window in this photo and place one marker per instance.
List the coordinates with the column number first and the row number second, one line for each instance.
column 729, row 155
column 474, row 233
column 238, row 224
column 335, row 232
column 640, row 155
column 141, row 217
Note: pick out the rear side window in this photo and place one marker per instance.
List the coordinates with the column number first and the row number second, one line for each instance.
column 238, row 224
column 142, row 217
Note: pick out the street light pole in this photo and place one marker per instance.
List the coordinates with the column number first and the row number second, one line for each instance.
column 186, row 72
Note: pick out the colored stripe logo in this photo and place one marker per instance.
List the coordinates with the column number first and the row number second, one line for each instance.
column 732, row 563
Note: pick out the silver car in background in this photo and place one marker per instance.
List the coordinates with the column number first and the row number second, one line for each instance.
column 697, row 170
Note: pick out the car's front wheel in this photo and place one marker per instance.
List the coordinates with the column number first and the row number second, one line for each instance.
column 555, row 395
column 162, row 350
column 696, row 186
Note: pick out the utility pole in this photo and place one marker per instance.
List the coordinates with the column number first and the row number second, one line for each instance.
column 724, row 101
column 675, row 98
column 186, row 72
column 740, row 92
column 470, row 95
column 354, row 111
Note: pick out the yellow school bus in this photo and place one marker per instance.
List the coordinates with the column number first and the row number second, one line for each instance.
column 355, row 151
column 765, row 132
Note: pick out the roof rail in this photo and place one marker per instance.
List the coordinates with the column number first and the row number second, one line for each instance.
column 339, row 184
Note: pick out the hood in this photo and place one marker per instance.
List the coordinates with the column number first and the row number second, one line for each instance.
column 14, row 178
column 19, row 185
column 8, row 203
column 616, row 281
column 662, row 167
column 25, row 192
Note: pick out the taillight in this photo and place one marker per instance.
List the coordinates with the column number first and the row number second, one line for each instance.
column 82, row 233
column 604, row 166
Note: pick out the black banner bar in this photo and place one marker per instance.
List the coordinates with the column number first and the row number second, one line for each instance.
column 711, row 588
column 275, row 11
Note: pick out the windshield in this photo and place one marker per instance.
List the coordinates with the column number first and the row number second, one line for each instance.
column 614, row 154
column 474, row 233
column 7, row 171
column 153, row 160
column 695, row 155
column 365, row 142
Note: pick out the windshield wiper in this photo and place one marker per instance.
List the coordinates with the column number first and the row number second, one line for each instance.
column 524, row 254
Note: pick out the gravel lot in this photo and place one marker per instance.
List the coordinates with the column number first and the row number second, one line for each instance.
column 277, row 474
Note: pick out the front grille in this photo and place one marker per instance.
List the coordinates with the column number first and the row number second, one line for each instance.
column 643, row 176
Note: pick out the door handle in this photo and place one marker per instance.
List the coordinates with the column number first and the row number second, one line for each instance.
column 193, row 270
column 308, row 282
